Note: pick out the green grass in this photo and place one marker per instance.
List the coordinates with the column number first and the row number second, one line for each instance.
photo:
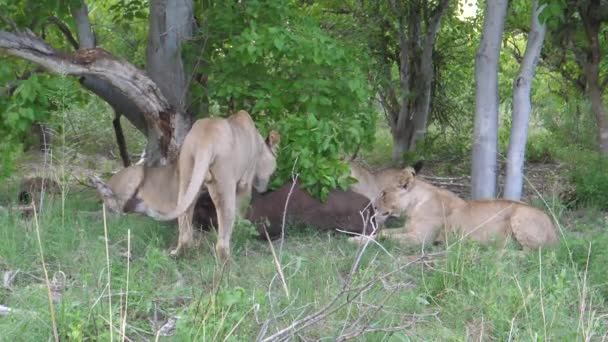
column 559, row 294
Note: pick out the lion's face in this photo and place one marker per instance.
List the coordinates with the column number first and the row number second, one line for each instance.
column 267, row 162
column 394, row 201
column 386, row 204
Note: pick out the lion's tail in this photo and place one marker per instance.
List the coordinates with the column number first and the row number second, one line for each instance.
column 202, row 162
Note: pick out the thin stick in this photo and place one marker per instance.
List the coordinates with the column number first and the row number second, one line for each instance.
column 276, row 262
column 124, row 319
column 540, row 284
column 105, row 233
column 237, row 324
column 293, row 184
column 46, row 276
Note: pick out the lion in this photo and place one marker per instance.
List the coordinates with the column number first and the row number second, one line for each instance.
column 228, row 156
column 433, row 213
column 371, row 184
column 157, row 192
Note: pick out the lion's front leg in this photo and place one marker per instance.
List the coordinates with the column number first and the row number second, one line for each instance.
column 224, row 198
column 417, row 232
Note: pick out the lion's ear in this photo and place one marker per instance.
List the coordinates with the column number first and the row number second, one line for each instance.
column 418, row 166
column 273, row 140
column 406, row 177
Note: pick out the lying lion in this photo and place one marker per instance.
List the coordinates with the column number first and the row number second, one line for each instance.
column 434, row 212
column 371, row 184
column 128, row 191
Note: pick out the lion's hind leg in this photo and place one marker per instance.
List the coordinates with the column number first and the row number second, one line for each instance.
column 184, row 220
column 223, row 194
column 532, row 228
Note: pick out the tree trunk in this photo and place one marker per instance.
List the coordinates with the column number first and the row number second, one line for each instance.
column 140, row 99
column 86, row 37
column 416, row 76
column 485, row 134
column 171, row 23
column 400, row 143
column 522, row 107
column 123, row 77
column 120, row 140
column 592, row 23
column 597, row 105
column 407, row 47
column 426, row 76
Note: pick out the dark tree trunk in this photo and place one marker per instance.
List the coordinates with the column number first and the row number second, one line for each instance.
column 592, row 23
column 416, row 74
column 120, row 140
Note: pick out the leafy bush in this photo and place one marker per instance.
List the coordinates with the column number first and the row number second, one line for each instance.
column 541, row 146
column 290, row 74
column 588, row 173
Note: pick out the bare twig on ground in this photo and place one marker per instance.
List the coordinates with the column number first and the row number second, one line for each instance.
column 331, row 307
column 277, row 262
column 294, row 179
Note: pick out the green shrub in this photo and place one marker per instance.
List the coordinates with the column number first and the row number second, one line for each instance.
column 541, row 146
column 587, row 170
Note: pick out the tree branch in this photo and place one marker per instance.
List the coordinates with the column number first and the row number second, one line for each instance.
column 65, row 30
column 8, row 21
column 125, row 77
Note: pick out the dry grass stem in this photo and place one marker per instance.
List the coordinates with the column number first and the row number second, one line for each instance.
column 46, row 276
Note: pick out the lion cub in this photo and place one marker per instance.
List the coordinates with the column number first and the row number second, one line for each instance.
column 433, row 212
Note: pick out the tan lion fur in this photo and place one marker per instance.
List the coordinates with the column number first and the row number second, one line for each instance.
column 228, row 156
column 433, row 213
column 371, row 184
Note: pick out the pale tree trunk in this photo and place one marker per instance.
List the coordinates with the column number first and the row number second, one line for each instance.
column 409, row 122
column 522, row 107
column 594, row 87
column 485, row 133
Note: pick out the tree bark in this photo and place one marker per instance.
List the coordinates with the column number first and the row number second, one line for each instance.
column 416, row 74
column 125, row 78
column 485, row 134
column 426, row 76
column 592, row 23
column 86, row 37
column 171, row 23
column 522, row 107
